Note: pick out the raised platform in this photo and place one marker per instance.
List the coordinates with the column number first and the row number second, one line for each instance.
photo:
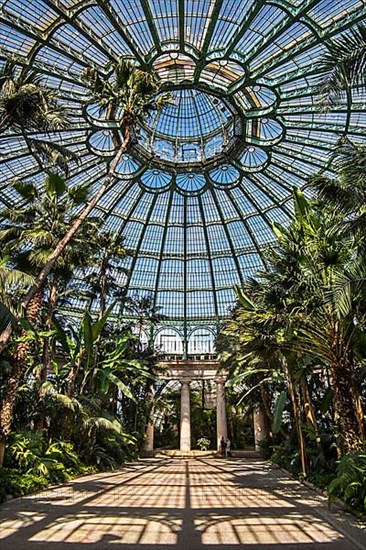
column 170, row 453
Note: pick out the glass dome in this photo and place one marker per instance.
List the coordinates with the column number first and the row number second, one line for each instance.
column 199, row 190
column 195, row 126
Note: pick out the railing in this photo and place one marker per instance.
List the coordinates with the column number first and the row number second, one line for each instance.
column 190, row 358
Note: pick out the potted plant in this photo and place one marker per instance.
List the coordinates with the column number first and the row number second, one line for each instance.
column 203, row 443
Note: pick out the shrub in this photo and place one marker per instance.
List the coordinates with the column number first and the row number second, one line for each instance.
column 350, row 482
column 16, row 483
column 203, row 443
column 31, row 465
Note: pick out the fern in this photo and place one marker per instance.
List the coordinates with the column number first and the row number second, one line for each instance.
column 350, row 483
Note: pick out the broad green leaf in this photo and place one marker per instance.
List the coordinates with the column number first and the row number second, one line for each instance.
column 55, row 185
column 120, row 385
column 243, row 298
column 88, row 337
column 27, row 190
column 99, row 325
column 301, row 204
column 61, row 334
column 6, row 318
column 79, row 194
column 246, row 394
column 278, row 412
column 278, row 230
column 238, row 378
column 105, row 423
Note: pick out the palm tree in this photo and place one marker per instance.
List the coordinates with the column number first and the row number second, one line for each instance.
column 128, row 94
column 259, row 330
column 109, row 252
column 289, row 315
column 344, row 65
column 145, row 311
column 30, row 233
column 12, row 282
column 329, row 338
column 347, row 191
column 26, row 104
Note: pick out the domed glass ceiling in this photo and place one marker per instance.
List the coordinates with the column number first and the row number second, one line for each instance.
column 205, row 178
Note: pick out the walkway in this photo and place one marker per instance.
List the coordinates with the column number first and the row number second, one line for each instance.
column 197, row 504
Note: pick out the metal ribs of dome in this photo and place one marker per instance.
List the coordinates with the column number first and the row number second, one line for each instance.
column 198, row 223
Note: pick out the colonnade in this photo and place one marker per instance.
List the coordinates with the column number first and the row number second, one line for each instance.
column 185, row 416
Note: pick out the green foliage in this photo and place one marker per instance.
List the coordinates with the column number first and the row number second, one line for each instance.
column 344, row 65
column 29, row 453
column 30, row 234
column 278, row 412
column 32, row 465
column 287, row 456
column 26, row 103
column 350, row 482
column 130, row 93
column 17, row 483
column 203, row 443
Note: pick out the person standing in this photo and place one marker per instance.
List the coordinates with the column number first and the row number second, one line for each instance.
column 223, row 447
column 228, row 447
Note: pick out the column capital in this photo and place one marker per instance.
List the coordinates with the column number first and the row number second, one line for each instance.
column 220, row 381
column 185, row 381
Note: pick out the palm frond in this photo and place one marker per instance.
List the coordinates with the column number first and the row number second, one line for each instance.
column 344, row 65
column 105, row 423
column 27, row 191
column 57, row 155
column 347, row 286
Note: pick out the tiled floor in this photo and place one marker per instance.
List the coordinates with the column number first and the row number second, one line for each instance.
column 186, row 504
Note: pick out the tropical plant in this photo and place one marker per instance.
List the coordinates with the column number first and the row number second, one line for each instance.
column 203, row 443
column 26, row 103
column 287, row 321
column 29, row 234
column 12, row 283
column 145, row 311
column 108, row 256
column 350, row 481
column 344, row 65
column 346, row 192
column 125, row 96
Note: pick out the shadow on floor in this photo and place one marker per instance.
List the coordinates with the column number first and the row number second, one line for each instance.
column 185, row 504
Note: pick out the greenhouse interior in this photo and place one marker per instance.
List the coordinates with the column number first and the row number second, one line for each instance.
column 183, row 274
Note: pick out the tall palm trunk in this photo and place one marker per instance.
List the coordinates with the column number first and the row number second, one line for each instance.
column 349, row 435
column 7, row 405
column 310, row 411
column 297, row 416
column 42, row 276
column 347, row 409
column 20, row 357
column 266, row 406
column 46, row 359
column 103, row 287
column 46, row 270
column 74, row 373
column 4, row 336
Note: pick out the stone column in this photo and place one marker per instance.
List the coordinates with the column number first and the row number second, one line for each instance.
column 221, row 420
column 149, row 444
column 261, row 430
column 185, row 417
